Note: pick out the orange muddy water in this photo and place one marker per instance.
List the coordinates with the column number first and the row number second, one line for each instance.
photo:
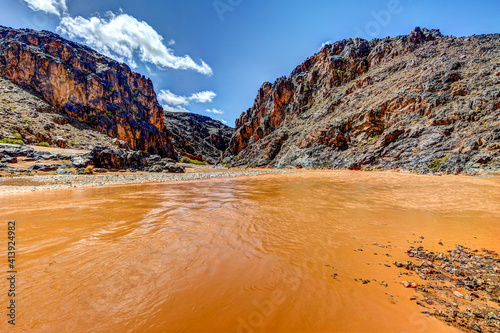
column 254, row 254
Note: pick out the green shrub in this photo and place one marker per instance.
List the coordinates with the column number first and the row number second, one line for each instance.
column 185, row 159
column 44, row 144
column 12, row 141
column 436, row 164
column 18, row 136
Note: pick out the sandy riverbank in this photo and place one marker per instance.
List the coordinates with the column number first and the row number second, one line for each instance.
column 9, row 185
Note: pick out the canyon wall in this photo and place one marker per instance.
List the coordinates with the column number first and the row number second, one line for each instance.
column 423, row 102
column 86, row 86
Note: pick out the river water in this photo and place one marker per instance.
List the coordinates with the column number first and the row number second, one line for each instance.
column 239, row 255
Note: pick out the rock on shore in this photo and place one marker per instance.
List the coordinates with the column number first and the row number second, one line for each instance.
column 462, row 286
column 101, row 157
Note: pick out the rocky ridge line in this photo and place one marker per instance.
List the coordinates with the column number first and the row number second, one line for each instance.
column 422, row 102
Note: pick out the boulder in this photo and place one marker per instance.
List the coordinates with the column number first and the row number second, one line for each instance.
column 9, row 160
column 108, row 158
column 136, row 159
column 81, row 161
column 45, row 167
column 60, row 142
column 16, row 150
column 115, row 158
column 165, row 165
column 174, row 168
column 61, row 171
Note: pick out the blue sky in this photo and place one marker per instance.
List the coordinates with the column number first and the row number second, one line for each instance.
column 211, row 56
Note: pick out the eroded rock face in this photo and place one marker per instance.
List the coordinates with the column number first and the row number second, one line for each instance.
column 87, row 86
column 423, row 102
column 197, row 136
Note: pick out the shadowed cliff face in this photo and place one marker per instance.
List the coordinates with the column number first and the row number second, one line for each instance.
column 423, row 102
column 197, row 136
column 87, row 86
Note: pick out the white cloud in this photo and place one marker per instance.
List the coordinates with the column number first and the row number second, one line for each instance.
column 223, row 121
column 124, row 36
column 175, row 108
column 168, row 97
column 214, row 111
column 203, row 97
column 56, row 7
column 171, row 42
column 150, row 72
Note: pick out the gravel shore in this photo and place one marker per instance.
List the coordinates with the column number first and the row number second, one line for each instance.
column 10, row 185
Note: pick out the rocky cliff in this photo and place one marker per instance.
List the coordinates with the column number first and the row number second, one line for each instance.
column 26, row 118
column 86, row 86
column 422, row 102
column 197, row 136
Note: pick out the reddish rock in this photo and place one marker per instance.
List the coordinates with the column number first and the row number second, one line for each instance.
column 355, row 167
column 87, row 86
column 420, row 102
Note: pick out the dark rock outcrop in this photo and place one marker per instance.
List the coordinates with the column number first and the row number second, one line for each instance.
column 9, row 150
column 422, row 102
column 114, row 158
column 46, row 167
column 13, row 150
column 197, row 136
column 157, row 164
column 86, row 86
column 101, row 157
